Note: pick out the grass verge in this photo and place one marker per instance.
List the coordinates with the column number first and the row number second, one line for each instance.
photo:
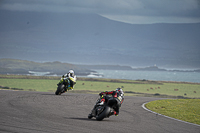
column 95, row 85
column 182, row 109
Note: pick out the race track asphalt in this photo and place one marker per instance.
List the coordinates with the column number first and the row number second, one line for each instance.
column 44, row 112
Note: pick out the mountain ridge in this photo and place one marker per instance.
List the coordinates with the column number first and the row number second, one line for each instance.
column 93, row 39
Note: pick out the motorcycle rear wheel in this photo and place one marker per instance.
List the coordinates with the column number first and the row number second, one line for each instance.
column 103, row 114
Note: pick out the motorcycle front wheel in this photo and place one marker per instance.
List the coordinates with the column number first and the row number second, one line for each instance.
column 60, row 89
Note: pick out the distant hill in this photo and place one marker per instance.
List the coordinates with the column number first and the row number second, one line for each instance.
column 14, row 66
column 105, row 67
column 95, row 40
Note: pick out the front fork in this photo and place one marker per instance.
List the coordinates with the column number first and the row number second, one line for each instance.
column 93, row 111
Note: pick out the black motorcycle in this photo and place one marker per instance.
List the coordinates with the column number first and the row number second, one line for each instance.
column 105, row 110
column 63, row 86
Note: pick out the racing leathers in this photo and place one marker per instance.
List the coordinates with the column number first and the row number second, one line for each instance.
column 71, row 80
column 116, row 95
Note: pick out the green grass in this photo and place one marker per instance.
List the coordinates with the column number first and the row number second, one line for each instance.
column 43, row 85
column 95, row 85
column 182, row 109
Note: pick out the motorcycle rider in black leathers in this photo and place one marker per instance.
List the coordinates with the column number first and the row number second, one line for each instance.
column 118, row 94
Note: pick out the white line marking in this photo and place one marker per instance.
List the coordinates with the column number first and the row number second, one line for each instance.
column 143, row 106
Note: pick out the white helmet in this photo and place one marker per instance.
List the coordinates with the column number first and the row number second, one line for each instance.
column 119, row 90
column 71, row 72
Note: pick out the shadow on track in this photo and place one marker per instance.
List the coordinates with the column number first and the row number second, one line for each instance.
column 84, row 119
column 47, row 94
column 94, row 119
column 57, row 95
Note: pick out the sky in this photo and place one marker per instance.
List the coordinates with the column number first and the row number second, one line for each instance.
column 128, row 11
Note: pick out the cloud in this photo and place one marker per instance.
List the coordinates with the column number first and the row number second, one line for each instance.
column 129, row 11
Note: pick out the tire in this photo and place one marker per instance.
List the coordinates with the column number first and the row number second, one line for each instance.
column 103, row 114
column 59, row 89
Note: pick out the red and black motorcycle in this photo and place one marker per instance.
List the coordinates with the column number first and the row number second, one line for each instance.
column 105, row 110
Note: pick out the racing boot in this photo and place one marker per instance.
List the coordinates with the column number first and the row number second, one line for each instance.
column 71, row 88
column 114, row 113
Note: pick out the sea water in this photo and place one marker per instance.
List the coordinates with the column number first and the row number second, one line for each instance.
column 151, row 75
